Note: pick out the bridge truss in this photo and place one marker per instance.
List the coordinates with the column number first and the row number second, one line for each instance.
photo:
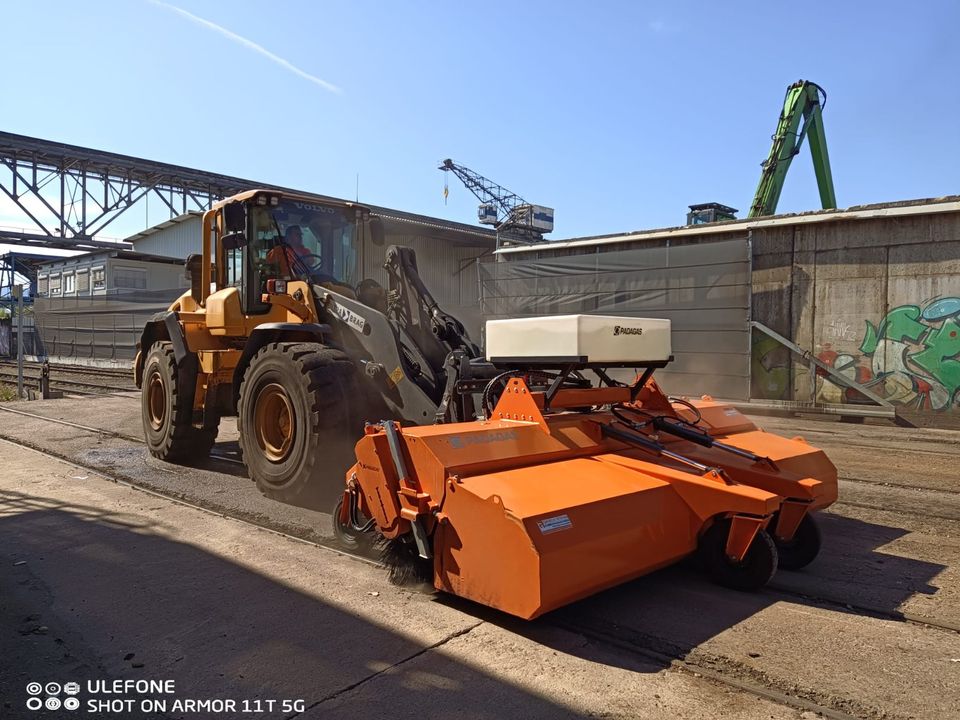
column 70, row 195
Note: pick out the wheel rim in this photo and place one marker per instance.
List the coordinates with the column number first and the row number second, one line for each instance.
column 156, row 400
column 274, row 421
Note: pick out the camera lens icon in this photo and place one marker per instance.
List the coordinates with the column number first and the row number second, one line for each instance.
column 71, row 703
column 34, row 688
column 71, row 688
column 52, row 703
column 52, row 688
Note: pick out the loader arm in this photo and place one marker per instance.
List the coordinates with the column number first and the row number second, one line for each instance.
column 801, row 116
column 414, row 352
column 370, row 339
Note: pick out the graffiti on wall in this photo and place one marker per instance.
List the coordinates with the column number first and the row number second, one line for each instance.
column 911, row 357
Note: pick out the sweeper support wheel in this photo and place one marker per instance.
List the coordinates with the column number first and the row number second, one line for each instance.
column 802, row 548
column 751, row 573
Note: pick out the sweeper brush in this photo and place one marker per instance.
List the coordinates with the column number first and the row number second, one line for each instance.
column 570, row 486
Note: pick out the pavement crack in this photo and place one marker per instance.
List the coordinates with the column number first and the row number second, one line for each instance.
column 353, row 686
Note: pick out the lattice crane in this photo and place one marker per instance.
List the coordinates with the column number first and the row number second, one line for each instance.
column 516, row 220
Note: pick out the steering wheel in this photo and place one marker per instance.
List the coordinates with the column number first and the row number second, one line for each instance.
column 317, row 261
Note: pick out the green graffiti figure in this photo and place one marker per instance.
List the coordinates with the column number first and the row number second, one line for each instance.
column 900, row 324
column 935, row 328
column 942, row 344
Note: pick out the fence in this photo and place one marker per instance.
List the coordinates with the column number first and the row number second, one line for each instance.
column 9, row 339
column 99, row 329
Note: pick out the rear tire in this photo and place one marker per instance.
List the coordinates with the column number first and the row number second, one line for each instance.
column 752, row 573
column 297, row 419
column 802, row 549
column 167, row 410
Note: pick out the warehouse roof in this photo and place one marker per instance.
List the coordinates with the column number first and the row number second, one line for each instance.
column 119, row 254
column 385, row 213
column 949, row 203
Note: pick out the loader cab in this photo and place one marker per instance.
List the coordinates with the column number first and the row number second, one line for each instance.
column 269, row 236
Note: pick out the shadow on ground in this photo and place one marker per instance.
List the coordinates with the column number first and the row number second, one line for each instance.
column 106, row 588
column 665, row 615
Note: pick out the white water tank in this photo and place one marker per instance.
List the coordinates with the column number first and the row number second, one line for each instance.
column 579, row 338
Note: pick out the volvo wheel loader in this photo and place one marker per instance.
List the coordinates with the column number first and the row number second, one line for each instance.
column 280, row 329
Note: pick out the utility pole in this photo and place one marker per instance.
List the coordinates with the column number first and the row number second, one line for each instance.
column 18, row 294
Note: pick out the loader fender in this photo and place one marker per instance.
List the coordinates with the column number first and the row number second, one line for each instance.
column 162, row 326
column 275, row 332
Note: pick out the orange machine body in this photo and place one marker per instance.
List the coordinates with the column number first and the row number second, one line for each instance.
column 530, row 510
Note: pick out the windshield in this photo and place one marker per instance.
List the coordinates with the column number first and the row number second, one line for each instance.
column 297, row 239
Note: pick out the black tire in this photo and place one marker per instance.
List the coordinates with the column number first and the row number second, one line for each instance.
column 316, row 391
column 167, row 410
column 348, row 538
column 802, row 549
column 752, row 573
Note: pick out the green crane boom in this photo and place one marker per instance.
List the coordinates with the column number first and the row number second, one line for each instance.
column 802, row 116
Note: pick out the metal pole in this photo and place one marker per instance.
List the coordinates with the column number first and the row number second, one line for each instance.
column 18, row 294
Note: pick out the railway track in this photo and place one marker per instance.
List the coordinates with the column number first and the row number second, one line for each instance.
column 73, row 380
column 724, row 671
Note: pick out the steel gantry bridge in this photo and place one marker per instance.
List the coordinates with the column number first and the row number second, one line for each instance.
column 69, row 195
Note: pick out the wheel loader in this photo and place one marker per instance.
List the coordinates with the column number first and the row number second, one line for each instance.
column 279, row 329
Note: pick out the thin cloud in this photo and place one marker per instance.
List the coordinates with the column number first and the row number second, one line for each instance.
column 250, row 45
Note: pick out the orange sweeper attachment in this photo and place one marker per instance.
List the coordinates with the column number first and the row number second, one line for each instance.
column 571, row 485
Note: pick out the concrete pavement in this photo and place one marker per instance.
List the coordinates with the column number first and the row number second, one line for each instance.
column 130, row 585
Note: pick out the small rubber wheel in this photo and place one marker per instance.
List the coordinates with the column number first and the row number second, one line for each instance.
column 802, row 549
column 752, row 573
column 348, row 538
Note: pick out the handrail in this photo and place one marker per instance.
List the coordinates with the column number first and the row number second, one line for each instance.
column 813, row 360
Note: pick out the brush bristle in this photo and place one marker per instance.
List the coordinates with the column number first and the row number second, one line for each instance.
column 404, row 564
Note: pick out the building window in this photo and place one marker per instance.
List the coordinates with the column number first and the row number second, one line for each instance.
column 83, row 281
column 55, row 284
column 69, row 284
column 130, row 278
column 42, row 284
column 99, row 278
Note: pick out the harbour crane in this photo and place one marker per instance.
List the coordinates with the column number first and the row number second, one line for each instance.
column 801, row 117
column 516, row 220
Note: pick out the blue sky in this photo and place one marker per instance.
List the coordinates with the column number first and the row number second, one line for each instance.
column 618, row 114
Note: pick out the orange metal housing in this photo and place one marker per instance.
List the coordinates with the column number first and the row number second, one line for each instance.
column 530, row 511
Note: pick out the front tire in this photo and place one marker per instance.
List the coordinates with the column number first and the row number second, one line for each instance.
column 167, row 410
column 297, row 419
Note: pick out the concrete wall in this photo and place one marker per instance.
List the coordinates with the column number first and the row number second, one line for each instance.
column 877, row 299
